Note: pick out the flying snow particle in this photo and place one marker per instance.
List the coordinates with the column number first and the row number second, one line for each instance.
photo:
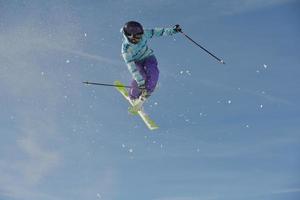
column 261, row 106
column 85, row 34
column 130, row 150
column 123, row 145
column 188, row 72
column 229, row 101
column 265, row 66
column 181, row 72
column 156, row 103
column 68, row 61
column 42, row 73
column 247, row 126
column 257, row 71
column 99, row 196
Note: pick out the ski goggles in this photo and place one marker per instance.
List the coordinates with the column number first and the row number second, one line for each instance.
column 135, row 36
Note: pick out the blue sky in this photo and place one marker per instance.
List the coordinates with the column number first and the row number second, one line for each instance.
column 227, row 132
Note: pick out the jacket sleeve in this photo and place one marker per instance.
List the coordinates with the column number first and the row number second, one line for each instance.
column 159, row 32
column 132, row 66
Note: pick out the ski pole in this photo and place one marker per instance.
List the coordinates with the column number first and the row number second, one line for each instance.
column 188, row 37
column 104, row 84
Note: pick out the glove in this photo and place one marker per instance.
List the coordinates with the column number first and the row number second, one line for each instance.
column 144, row 92
column 177, row 28
column 142, row 88
column 141, row 83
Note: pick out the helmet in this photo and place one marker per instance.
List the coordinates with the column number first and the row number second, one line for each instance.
column 133, row 28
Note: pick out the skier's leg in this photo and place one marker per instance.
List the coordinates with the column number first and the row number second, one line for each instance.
column 134, row 91
column 148, row 69
column 152, row 74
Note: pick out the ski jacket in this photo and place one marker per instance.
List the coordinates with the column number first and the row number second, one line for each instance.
column 137, row 52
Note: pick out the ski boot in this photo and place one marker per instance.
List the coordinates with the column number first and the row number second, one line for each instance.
column 138, row 103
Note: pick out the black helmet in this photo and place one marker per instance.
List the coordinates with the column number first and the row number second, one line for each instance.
column 133, row 28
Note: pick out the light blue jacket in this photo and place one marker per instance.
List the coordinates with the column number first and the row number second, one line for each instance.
column 137, row 52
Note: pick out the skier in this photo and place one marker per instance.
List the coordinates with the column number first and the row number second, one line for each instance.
column 141, row 61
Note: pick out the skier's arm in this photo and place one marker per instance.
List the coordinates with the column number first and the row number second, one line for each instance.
column 135, row 73
column 157, row 32
column 133, row 68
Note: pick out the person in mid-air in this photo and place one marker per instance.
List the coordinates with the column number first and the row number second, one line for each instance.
column 140, row 59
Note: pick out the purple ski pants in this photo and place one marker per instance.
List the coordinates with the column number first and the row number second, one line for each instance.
column 149, row 71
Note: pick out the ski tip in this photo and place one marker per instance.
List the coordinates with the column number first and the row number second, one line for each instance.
column 222, row 61
column 154, row 128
